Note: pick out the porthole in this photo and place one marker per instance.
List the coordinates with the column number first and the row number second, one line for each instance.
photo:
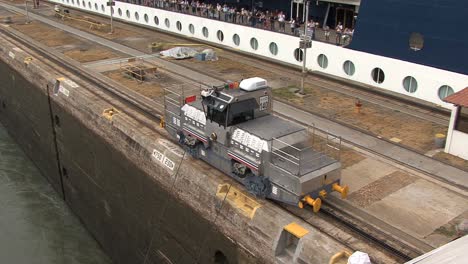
column 179, row 26
column 137, row 16
column 416, row 41
column 96, row 7
column 445, row 91
column 119, row 11
column 127, row 13
column 156, row 20
column 68, row 1
column 103, row 9
column 191, row 29
column 89, row 5
column 73, row 2
column 273, row 48
column 298, row 54
column 220, row 35
column 146, row 18
column 254, row 43
column 83, row 4
column 410, row 84
column 167, row 23
column 322, row 61
column 236, row 39
column 205, row 32
column 348, row 68
column 378, row 75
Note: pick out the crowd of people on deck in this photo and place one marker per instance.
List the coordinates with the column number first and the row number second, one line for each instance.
column 266, row 19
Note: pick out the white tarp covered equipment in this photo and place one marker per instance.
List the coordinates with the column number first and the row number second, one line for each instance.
column 359, row 257
column 179, row 53
column 210, row 55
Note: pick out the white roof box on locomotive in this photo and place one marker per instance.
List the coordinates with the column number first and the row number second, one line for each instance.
column 253, row 84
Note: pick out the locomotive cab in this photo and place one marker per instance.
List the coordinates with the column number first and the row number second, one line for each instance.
column 229, row 107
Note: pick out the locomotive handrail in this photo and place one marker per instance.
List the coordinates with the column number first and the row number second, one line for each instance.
column 173, row 113
column 288, row 160
column 285, row 153
column 316, row 153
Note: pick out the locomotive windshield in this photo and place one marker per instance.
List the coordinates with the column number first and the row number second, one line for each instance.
column 226, row 114
column 242, row 111
column 215, row 110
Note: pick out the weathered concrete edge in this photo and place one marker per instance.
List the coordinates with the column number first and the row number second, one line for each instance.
column 316, row 248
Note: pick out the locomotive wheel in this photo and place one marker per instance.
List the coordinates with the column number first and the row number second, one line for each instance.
column 258, row 185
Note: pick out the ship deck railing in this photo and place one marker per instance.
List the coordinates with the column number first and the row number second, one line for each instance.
column 342, row 39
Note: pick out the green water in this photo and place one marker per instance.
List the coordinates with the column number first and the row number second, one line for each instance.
column 36, row 227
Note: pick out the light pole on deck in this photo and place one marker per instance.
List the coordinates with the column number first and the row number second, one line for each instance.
column 111, row 4
column 27, row 11
column 305, row 42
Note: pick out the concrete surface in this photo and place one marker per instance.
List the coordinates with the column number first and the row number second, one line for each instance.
column 419, row 208
column 363, row 173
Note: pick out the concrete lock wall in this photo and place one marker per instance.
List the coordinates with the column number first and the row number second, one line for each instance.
column 142, row 198
column 429, row 79
column 25, row 112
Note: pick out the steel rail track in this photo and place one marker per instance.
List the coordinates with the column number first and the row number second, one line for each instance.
column 148, row 109
column 398, row 248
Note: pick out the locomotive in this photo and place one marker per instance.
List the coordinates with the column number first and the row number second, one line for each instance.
column 232, row 128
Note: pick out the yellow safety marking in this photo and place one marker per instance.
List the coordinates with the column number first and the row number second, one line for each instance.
column 109, row 113
column 246, row 205
column 297, row 230
column 27, row 60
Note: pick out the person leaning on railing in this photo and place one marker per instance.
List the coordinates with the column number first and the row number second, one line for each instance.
column 282, row 21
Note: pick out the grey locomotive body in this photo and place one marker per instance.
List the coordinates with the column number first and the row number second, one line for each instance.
column 234, row 130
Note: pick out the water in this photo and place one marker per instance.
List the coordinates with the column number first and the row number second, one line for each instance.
column 36, row 227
